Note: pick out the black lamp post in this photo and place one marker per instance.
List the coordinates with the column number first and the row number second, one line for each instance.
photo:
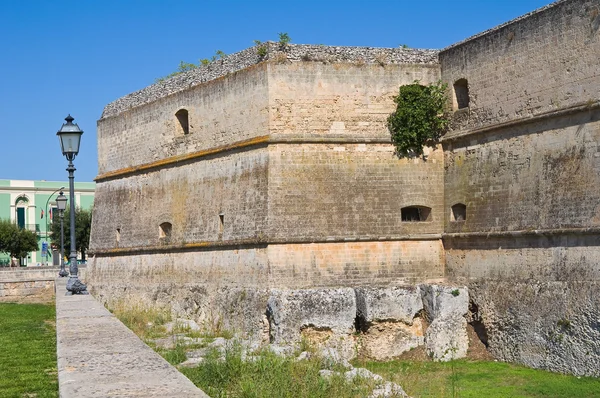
column 61, row 203
column 70, row 137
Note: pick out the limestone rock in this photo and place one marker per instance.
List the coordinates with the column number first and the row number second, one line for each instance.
column 363, row 373
column 389, row 303
column 326, row 310
column 388, row 340
column 444, row 301
column 182, row 324
column 387, row 317
column 447, row 339
column 388, row 389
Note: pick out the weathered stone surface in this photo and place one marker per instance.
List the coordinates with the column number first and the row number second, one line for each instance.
column 290, row 311
column 548, row 325
column 447, row 339
column 99, row 357
column 388, row 390
column 182, row 325
column 388, row 340
column 388, row 304
column 445, row 307
column 444, row 301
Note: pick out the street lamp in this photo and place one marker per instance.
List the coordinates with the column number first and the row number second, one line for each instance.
column 61, row 203
column 70, row 137
column 46, row 209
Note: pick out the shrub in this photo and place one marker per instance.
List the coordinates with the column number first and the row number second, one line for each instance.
column 420, row 118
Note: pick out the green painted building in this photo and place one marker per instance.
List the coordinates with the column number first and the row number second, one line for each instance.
column 32, row 205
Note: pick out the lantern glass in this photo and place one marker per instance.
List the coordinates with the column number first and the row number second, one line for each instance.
column 70, row 137
column 61, row 201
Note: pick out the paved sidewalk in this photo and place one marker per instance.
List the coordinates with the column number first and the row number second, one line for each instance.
column 98, row 356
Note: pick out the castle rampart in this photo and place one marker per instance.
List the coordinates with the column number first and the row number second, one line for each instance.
column 523, row 158
column 277, row 171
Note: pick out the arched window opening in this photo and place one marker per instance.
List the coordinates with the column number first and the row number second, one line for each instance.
column 461, row 93
column 415, row 213
column 184, row 121
column 459, row 212
column 21, row 205
column 164, row 231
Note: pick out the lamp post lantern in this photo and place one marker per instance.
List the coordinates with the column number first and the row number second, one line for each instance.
column 70, row 137
column 61, row 203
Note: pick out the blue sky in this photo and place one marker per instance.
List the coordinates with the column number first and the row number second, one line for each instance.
column 61, row 57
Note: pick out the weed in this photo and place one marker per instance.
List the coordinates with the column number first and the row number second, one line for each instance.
column 564, row 323
column 455, row 292
column 284, row 40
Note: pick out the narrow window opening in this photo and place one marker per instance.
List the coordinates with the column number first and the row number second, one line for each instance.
column 221, row 222
column 118, row 235
column 459, row 212
column 415, row 213
column 184, row 122
column 164, row 231
column 461, row 93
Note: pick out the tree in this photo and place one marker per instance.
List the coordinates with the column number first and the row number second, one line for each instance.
column 83, row 225
column 419, row 119
column 15, row 241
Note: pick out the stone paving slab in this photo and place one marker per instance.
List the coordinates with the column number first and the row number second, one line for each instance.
column 98, row 356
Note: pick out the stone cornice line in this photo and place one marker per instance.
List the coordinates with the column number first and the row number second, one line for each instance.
column 525, row 232
column 261, row 140
column 248, row 243
column 576, row 108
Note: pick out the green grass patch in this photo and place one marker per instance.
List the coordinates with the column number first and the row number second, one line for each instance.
column 271, row 376
column 28, row 351
column 490, row 379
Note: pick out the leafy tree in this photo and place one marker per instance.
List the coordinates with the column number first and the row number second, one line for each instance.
column 15, row 241
column 419, row 119
column 83, row 225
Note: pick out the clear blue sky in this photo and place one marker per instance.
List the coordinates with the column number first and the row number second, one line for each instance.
column 61, row 57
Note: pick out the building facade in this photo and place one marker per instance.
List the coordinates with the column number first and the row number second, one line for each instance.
column 32, row 205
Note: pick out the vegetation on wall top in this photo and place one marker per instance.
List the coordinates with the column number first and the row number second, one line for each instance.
column 420, row 118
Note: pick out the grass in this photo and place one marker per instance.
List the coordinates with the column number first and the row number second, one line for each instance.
column 269, row 375
column 490, row 379
column 28, row 351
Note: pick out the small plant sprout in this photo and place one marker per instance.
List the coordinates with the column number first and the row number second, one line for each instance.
column 455, row 292
column 284, row 39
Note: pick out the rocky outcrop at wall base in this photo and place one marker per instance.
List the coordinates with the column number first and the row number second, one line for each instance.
column 546, row 325
column 391, row 320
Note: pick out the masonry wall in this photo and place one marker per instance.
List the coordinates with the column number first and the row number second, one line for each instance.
column 523, row 158
column 315, row 203
column 218, row 200
column 538, row 63
column 221, row 112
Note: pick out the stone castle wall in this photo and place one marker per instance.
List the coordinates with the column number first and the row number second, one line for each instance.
column 523, row 157
column 286, row 179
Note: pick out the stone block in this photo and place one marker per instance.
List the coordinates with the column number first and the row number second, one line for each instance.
column 447, row 339
column 444, row 301
column 388, row 304
column 327, row 310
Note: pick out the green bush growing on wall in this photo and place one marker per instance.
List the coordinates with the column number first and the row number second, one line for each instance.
column 420, row 118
